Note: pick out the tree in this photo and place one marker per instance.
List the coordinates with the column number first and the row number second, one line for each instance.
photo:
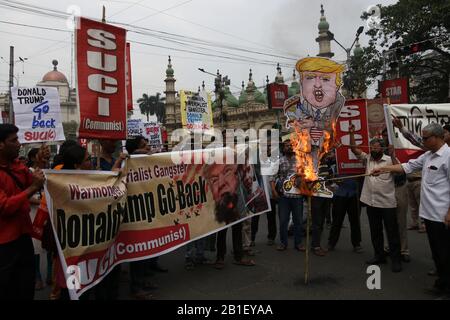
column 150, row 105
column 159, row 107
column 407, row 24
column 363, row 70
column 144, row 105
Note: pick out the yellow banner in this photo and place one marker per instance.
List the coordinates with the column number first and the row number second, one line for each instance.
column 152, row 207
column 196, row 111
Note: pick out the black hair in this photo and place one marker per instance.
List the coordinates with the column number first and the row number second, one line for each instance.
column 133, row 144
column 446, row 127
column 32, row 154
column 58, row 159
column 377, row 140
column 73, row 155
column 7, row 129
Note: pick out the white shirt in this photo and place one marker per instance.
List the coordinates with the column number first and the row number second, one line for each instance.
column 435, row 190
column 378, row 191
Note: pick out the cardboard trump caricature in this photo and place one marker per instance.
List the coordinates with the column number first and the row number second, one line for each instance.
column 312, row 114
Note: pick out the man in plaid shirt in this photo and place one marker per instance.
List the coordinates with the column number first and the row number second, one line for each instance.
column 288, row 202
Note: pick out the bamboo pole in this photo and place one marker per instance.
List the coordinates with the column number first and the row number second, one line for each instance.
column 308, row 222
column 349, row 177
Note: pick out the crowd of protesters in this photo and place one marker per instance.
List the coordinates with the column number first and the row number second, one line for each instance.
column 422, row 185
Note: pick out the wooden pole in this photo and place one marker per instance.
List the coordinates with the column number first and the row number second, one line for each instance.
column 99, row 146
column 349, row 177
column 104, row 14
column 308, row 222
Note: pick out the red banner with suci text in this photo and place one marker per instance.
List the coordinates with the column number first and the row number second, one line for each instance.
column 354, row 112
column 101, row 78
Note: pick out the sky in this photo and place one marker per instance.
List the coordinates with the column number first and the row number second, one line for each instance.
column 264, row 31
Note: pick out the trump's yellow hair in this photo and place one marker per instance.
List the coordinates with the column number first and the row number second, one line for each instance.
column 318, row 64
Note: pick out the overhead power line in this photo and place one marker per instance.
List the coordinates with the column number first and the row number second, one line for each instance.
column 230, row 56
column 63, row 15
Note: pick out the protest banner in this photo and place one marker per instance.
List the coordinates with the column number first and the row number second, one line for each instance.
column 129, row 83
column 396, row 90
column 37, row 114
column 196, row 112
column 354, row 113
column 154, row 206
column 134, row 128
column 414, row 117
column 375, row 117
column 100, row 65
column 152, row 132
column 276, row 95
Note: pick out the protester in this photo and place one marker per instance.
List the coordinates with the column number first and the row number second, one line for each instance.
column 75, row 157
column 345, row 201
column 435, row 200
column 195, row 254
column 34, row 162
column 224, row 183
column 107, row 160
column 108, row 288
column 55, row 277
column 268, row 169
column 17, row 267
column 447, row 134
column 288, row 203
column 414, row 179
column 140, row 286
column 379, row 195
column 401, row 196
column 320, row 208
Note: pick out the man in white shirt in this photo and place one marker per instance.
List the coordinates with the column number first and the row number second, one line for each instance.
column 378, row 194
column 435, row 198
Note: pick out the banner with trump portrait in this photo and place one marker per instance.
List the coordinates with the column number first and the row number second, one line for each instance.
column 153, row 206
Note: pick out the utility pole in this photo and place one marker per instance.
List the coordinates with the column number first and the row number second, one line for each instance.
column 11, row 83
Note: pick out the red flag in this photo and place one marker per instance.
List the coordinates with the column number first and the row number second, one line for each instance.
column 100, row 59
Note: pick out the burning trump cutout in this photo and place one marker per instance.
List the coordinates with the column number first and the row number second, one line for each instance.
column 312, row 114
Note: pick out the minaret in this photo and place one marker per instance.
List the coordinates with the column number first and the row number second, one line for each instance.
column 250, row 90
column 324, row 37
column 279, row 77
column 170, row 96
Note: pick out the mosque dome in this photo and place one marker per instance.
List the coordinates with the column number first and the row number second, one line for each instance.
column 54, row 75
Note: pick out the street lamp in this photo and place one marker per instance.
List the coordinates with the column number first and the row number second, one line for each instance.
column 348, row 51
column 219, row 84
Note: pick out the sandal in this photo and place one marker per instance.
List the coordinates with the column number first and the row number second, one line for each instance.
column 219, row 265
column 244, row 262
column 318, row 252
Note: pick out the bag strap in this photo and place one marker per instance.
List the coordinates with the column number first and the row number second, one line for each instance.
column 16, row 180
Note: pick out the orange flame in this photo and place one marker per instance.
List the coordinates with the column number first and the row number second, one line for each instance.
column 301, row 144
